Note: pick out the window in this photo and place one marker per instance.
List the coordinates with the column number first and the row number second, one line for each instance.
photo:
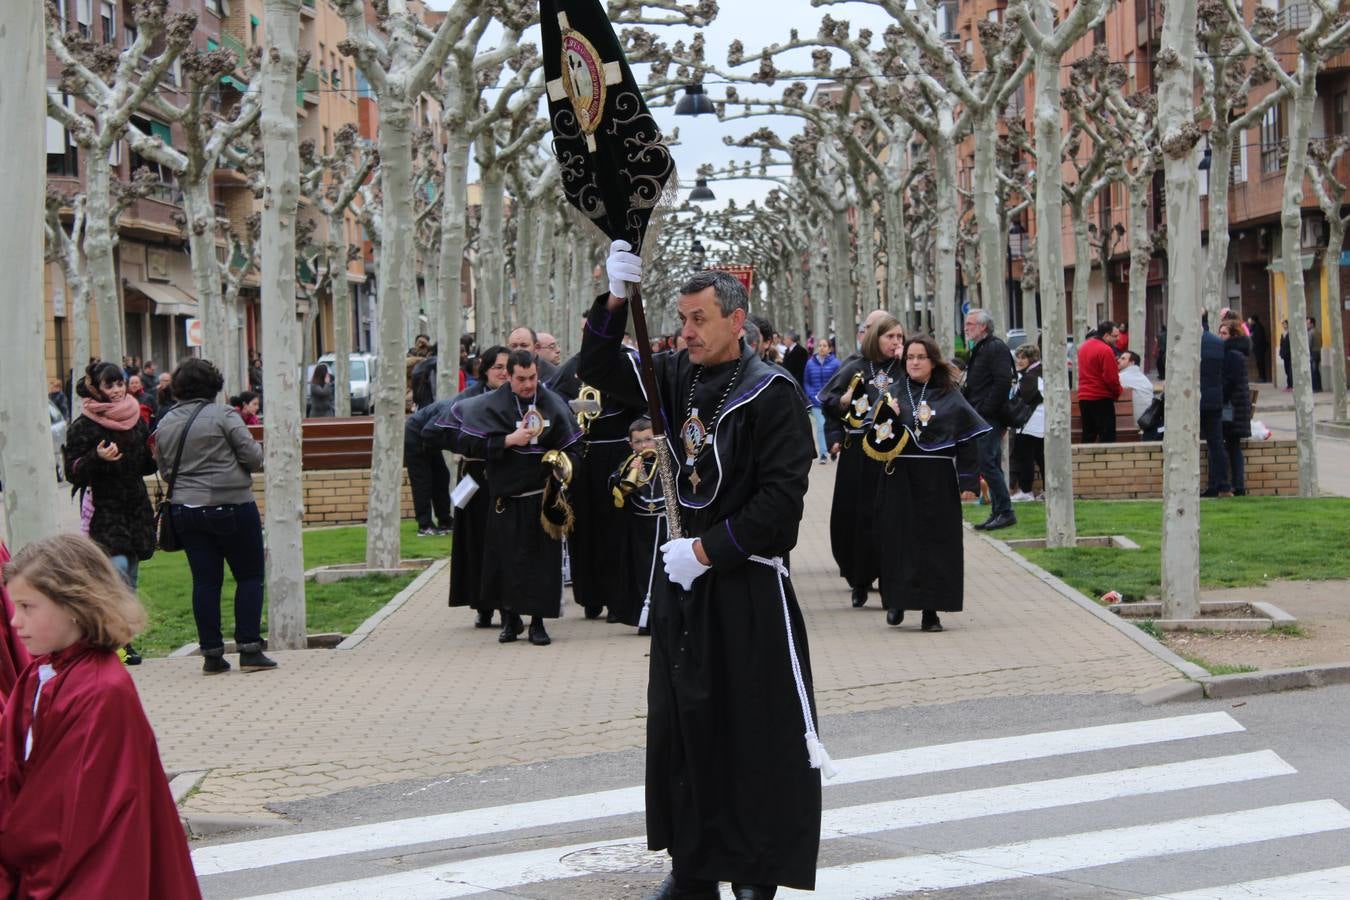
column 84, row 16
column 946, row 20
column 63, row 157
column 128, row 34
column 1239, row 175
column 1272, row 140
column 1340, row 116
column 167, row 191
column 327, row 141
column 216, row 6
column 253, row 24
column 108, row 19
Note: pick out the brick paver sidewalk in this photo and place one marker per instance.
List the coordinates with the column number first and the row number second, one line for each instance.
column 427, row 694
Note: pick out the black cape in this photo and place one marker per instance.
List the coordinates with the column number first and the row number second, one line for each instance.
column 642, row 579
column 522, row 565
column 730, row 787
column 917, row 505
column 466, row 550
column 852, row 541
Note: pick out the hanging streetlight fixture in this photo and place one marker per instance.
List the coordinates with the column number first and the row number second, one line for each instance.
column 694, row 102
column 701, row 192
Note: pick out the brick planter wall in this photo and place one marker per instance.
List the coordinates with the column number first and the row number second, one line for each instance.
column 1135, row 471
column 332, row 497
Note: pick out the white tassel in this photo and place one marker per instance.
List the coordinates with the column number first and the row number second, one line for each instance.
column 646, row 608
column 819, row 756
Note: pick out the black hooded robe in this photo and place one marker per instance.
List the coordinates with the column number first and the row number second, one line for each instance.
column 522, row 565
column 852, row 529
column 641, row 575
column 466, row 550
column 731, row 791
column 917, row 505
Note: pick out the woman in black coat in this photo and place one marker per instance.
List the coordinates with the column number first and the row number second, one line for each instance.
column 1237, row 394
column 108, row 454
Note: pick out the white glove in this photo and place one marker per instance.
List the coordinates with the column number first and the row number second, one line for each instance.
column 622, row 266
column 682, row 566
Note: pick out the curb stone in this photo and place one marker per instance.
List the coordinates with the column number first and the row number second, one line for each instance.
column 365, row 628
column 1201, row 684
column 183, row 784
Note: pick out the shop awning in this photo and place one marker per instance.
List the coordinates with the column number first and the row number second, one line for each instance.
column 168, row 300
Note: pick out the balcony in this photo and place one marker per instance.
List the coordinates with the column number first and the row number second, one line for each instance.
column 1295, row 16
column 307, row 89
column 307, row 10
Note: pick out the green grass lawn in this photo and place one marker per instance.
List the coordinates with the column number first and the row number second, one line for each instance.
column 1243, row 541
column 166, row 588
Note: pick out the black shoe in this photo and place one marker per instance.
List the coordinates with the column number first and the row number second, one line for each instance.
column 512, row 626
column 753, row 891
column 1212, row 492
column 895, row 616
column 484, row 619
column 214, row 662
column 132, row 657
column 538, row 636
column 611, row 618
column 669, row 890
column 644, row 631
column 930, row 622
column 859, row 597
column 593, row 612
column 1002, row 520
column 251, row 659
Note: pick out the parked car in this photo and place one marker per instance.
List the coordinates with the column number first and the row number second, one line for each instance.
column 361, row 377
column 58, row 437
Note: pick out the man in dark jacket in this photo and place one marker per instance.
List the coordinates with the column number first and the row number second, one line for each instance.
column 989, row 375
column 1211, row 412
column 794, row 360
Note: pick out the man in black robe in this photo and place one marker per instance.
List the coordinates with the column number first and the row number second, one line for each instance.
column 733, row 787
column 470, row 523
column 512, row 428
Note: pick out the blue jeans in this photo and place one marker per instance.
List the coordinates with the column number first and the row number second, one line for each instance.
column 130, row 567
column 990, row 446
column 213, row 536
column 1211, row 430
column 818, row 415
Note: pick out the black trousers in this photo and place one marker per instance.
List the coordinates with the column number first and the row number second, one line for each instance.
column 429, row 479
column 1099, row 421
column 1028, row 454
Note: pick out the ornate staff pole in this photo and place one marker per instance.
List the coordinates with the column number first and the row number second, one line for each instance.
column 613, row 160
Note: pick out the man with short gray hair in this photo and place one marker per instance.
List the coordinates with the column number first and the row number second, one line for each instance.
column 989, row 374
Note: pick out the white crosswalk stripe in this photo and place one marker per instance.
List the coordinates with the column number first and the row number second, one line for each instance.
column 851, row 876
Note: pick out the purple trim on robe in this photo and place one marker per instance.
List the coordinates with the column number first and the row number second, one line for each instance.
column 731, row 534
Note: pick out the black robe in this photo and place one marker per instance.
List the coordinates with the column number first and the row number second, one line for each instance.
column 522, row 565
column 466, row 550
column 641, row 576
column 917, row 505
column 731, row 791
column 852, row 530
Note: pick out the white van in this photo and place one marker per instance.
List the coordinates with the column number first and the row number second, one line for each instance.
column 361, row 376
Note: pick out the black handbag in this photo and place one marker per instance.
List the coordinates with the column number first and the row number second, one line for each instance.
column 1152, row 419
column 165, row 537
column 1016, row 412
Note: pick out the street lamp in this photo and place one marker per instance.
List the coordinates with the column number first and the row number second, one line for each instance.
column 698, row 254
column 701, row 191
column 694, row 102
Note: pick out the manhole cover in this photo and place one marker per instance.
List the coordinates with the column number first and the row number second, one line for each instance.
column 617, row 858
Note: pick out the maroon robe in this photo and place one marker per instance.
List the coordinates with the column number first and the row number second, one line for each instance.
column 89, row 813
column 13, row 655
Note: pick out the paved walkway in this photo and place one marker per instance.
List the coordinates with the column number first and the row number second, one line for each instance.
column 428, row 695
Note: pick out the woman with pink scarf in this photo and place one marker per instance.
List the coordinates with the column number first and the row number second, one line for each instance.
column 107, row 454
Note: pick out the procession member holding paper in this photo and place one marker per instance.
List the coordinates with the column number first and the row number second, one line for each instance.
column 733, row 757
column 470, row 497
column 528, row 437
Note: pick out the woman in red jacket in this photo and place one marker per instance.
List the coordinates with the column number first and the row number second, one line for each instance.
column 85, row 809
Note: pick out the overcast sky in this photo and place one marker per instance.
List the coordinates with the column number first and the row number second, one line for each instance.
column 756, row 24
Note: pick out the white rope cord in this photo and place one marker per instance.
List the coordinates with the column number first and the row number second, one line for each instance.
column 815, row 751
column 651, row 575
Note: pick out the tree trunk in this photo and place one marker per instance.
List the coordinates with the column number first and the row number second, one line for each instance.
column 542, row 268
column 396, row 160
column 1335, row 240
column 948, row 223
column 1216, row 257
column 454, row 206
column 342, row 314
column 820, row 309
column 866, row 263
column 1181, row 440
column 843, row 306
column 1082, row 270
column 1060, row 527
column 1291, row 222
column 491, row 294
column 281, row 381
column 200, row 213
column 993, row 291
column 26, row 461
column 100, row 239
column 1141, row 254
column 526, row 214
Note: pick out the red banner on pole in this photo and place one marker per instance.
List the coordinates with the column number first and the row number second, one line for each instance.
column 746, row 274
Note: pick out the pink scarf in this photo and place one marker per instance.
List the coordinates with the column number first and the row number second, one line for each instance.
column 120, row 416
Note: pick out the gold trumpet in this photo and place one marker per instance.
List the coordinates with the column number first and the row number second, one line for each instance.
column 635, row 477
column 590, row 402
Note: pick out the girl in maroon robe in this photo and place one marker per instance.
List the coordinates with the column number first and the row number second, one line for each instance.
column 13, row 656
column 85, row 809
